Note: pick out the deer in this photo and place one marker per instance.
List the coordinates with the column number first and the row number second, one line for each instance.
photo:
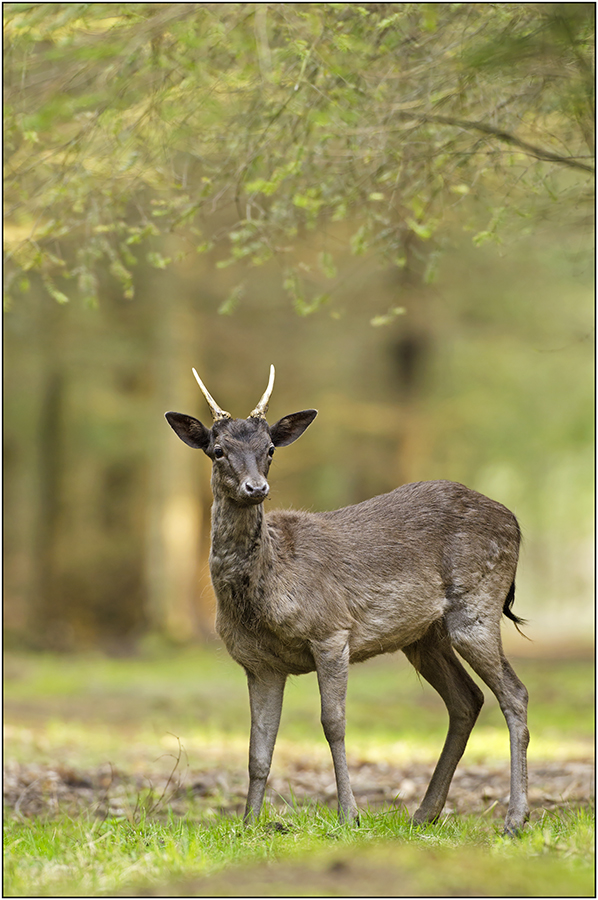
column 428, row 569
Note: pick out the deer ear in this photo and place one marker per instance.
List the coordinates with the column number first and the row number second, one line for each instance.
column 289, row 428
column 190, row 430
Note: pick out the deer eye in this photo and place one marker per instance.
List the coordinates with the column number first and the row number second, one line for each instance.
column 218, row 452
column 271, row 451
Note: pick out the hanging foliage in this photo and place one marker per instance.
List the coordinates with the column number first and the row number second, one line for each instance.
column 243, row 127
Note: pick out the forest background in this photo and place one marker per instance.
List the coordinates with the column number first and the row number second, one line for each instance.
column 390, row 202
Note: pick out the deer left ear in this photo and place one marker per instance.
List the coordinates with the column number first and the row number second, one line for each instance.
column 289, row 428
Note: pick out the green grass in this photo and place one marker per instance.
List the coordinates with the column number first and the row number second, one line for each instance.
column 459, row 856
column 88, row 712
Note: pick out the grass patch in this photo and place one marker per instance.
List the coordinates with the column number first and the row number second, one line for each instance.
column 303, row 852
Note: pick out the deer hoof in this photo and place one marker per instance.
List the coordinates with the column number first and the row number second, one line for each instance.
column 421, row 818
column 351, row 817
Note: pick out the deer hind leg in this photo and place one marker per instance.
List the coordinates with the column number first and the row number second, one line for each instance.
column 478, row 641
column 434, row 659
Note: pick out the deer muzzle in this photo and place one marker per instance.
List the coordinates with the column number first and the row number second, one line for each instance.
column 254, row 490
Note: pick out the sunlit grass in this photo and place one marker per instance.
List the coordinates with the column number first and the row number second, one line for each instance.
column 83, row 746
column 97, row 709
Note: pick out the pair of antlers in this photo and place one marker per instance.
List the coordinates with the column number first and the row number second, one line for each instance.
column 218, row 414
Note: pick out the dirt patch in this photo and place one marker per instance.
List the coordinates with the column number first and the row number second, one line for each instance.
column 36, row 790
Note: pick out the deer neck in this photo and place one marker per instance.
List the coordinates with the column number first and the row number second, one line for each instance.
column 240, row 550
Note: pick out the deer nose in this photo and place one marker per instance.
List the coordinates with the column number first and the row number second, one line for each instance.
column 255, row 489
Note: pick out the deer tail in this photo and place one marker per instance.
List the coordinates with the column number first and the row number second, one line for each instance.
column 507, row 610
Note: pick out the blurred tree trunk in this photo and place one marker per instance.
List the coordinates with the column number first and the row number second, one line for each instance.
column 46, row 611
column 411, row 350
column 47, row 618
column 180, row 599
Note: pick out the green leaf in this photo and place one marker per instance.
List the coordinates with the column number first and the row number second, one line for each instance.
column 88, row 288
column 158, row 261
column 459, row 189
column 359, row 241
column 485, row 237
column 308, row 201
column 54, row 292
column 326, row 263
column 387, row 317
column 261, row 186
column 421, row 229
column 306, row 309
column 229, row 305
column 294, row 287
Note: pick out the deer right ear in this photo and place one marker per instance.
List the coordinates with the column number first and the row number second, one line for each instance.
column 190, row 430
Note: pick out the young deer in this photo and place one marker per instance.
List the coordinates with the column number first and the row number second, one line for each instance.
column 427, row 569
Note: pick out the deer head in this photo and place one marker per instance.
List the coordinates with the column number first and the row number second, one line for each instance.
column 241, row 450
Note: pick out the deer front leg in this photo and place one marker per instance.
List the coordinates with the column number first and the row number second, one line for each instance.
column 265, row 699
column 331, row 657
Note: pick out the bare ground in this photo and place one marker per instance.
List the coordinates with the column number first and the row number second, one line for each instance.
column 47, row 791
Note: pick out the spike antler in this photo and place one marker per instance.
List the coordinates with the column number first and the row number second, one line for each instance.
column 217, row 413
column 262, row 408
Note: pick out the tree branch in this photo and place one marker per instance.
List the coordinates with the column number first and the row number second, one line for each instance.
column 537, row 152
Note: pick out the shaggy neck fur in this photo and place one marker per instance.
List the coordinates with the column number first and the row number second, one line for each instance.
column 240, row 556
